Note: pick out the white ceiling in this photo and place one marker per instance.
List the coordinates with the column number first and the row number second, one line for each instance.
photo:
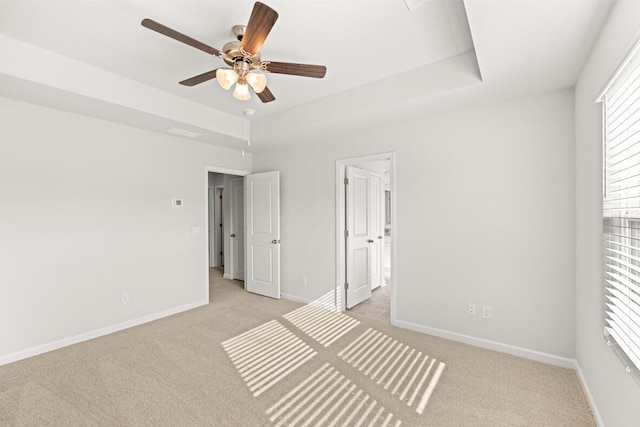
column 384, row 61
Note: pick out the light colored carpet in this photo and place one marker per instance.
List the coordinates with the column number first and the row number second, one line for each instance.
column 177, row 371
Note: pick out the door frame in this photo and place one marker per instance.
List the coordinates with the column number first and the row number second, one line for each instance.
column 227, row 171
column 340, row 226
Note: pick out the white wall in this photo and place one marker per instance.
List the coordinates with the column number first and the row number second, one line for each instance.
column 85, row 215
column 615, row 393
column 485, row 211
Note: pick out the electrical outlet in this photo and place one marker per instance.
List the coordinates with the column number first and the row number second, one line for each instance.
column 471, row 309
column 125, row 298
column 486, row 312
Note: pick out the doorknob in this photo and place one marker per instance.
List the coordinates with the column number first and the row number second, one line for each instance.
column 233, row 235
column 275, row 242
column 370, row 241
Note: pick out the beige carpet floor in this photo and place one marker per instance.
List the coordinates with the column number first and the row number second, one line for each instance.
column 247, row 360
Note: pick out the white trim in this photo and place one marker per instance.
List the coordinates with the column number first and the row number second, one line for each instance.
column 226, row 171
column 86, row 336
column 592, row 403
column 295, row 298
column 629, row 54
column 214, row 169
column 539, row 356
column 340, row 224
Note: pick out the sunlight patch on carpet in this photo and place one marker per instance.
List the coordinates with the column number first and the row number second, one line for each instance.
column 266, row 354
column 328, row 398
column 320, row 320
column 406, row 373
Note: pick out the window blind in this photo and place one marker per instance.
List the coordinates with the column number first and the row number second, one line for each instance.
column 621, row 213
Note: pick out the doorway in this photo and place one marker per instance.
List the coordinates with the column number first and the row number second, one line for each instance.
column 225, row 218
column 365, row 206
column 226, row 224
column 251, row 252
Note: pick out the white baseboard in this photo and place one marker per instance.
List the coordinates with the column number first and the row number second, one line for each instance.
column 227, row 276
column 295, row 298
column 539, row 356
column 587, row 392
column 39, row 349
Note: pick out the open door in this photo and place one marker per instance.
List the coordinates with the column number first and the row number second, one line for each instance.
column 262, row 205
column 376, row 227
column 359, row 244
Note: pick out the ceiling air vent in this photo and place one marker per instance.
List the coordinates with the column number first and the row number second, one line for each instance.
column 414, row 4
column 183, row 132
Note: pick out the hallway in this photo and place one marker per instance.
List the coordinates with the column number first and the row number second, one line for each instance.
column 379, row 305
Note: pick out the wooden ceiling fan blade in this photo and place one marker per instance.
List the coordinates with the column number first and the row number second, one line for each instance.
column 305, row 70
column 162, row 29
column 200, row 78
column 258, row 28
column 266, row 95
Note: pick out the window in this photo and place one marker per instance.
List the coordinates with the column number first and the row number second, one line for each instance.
column 621, row 212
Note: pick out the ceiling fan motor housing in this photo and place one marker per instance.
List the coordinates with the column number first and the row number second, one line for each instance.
column 233, row 53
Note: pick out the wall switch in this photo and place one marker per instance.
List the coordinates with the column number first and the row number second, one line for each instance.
column 471, row 309
column 304, row 279
column 486, row 312
column 195, row 231
column 125, row 298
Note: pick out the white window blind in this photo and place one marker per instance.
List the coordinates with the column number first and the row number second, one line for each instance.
column 621, row 213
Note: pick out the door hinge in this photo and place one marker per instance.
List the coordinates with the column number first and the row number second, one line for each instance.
column 221, row 253
column 346, row 233
column 346, row 181
column 346, row 286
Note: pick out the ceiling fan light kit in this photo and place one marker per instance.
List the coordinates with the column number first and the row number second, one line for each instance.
column 241, row 92
column 243, row 56
column 241, row 76
column 226, row 78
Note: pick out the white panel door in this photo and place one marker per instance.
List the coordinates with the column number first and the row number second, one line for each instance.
column 376, row 227
column 359, row 243
column 263, row 233
column 237, row 227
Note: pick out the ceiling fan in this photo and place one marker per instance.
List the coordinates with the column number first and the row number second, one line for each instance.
column 243, row 56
